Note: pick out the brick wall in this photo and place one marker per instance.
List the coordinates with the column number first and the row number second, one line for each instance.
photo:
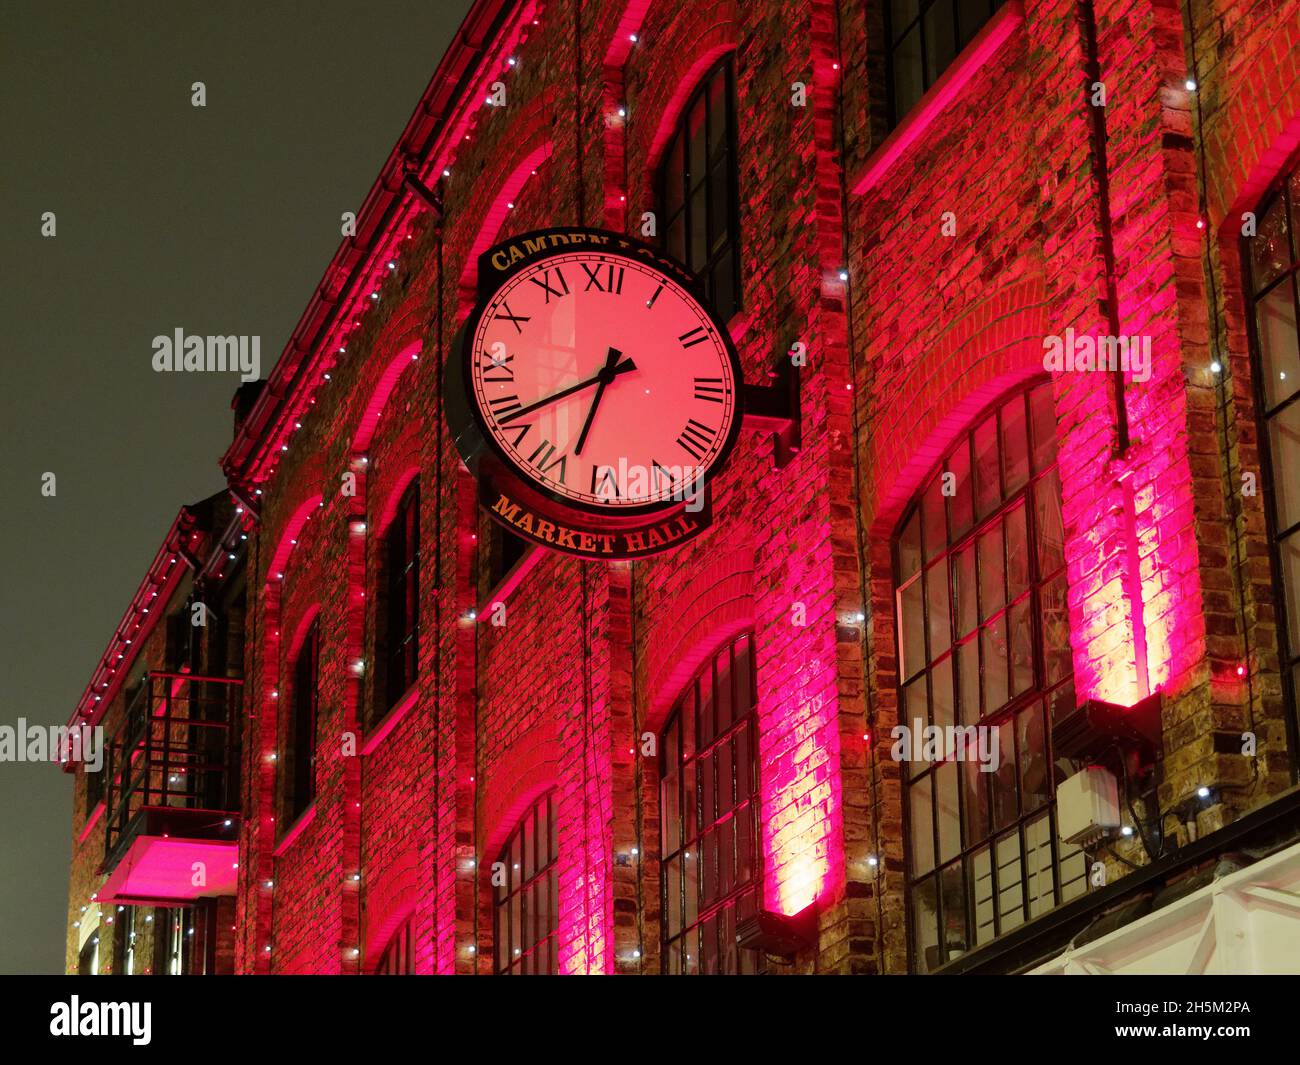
column 1169, row 583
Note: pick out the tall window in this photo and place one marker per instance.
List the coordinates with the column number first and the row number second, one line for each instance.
column 398, row 959
column 698, row 190
column 924, row 37
column 1274, row 259
column 983, row 640
column 301, row 746
column 708, row 811
column 527, row 911
column 402, row 597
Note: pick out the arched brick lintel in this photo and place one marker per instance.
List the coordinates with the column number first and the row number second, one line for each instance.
column 1259, row 132
column 389, row 902
column 704, row 32
column 382, row 392
column 716, row 606
column 522, row 775
column 996, row 345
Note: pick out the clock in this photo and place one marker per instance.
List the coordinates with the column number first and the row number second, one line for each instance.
column 597, row 374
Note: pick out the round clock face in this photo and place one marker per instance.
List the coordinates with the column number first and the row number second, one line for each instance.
column 603, row 381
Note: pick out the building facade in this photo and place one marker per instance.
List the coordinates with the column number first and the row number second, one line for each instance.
column 1028, row 270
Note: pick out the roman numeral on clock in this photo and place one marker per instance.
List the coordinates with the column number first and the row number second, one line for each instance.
column 696, row 439
column 613, row 279
column 520, row 432
column 709, row 389
column 698, row 335
column 603, row 482
column 545, row 283
column 514, row 319
column 503, row 405
column 497, row 369
column 542, row 459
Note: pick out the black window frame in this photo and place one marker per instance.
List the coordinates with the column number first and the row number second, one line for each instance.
column 693, row 738
column 1048, row 695
column 924, row 19
column 1284, row 194
column 304, row 713
column 398, row 955
column 401, row 605
column 721, row 237
column 530, row 884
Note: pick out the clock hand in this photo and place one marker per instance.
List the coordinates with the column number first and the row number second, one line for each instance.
column 606, row 375
column 622, row 367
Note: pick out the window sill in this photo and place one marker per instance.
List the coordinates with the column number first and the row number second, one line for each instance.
column 295, row 830
column 967, row 64
column 392, row 717
column 506, row 586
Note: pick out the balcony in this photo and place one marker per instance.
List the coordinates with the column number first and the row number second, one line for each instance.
column 172, row 808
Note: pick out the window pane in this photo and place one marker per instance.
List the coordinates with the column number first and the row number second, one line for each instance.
column 1284, row 450
column 911, row 628
column 991, row 569
column 936, row 585
column 909, row 81
column 1011, row 902
column 1015, row 447
column 981, row 892
column 975, row 800
column 993, row 660
column 1289, row 550
column 902, row 14
column 921, row 823
column 1275, row 326
column 1036, row 784
column 988, row 487
column 1042, row 416
column 941, row 693
column 1057, row 658
column 722, row 697
column 909, row 547
column 968, row 681
column 1020, row 632
column 1002, row 781
column 925, row 925
column 1017, row 552
column 953, row 886
column 971, row 15
column 967, row 606
column 1270, row 248
column 933, row 523
column 1048, row 525
column 961, row 504
column 940, row 40
column 948, row 811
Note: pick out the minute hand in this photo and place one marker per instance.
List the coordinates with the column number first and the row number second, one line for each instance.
column 622, row 367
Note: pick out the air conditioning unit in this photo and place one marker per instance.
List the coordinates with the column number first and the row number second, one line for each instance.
column 1087, row 806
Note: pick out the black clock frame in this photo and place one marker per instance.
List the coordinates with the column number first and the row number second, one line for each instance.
column 497, row 265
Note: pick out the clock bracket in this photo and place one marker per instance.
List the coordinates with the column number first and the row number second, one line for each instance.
column 774, row 408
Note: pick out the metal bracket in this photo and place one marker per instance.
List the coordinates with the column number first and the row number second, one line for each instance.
column 774, row 408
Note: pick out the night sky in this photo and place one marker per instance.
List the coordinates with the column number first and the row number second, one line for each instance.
column 216, row 220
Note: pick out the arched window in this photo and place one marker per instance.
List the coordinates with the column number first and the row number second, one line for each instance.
column 298, row 761
column 698, row 193
column 527, row 910
column 400, row 619
column 983, row 641
column 924, row 37
column 398, row 959
column 708, row 815
column 1273, row 256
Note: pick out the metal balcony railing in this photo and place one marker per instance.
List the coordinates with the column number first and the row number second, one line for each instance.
column 174, row 761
